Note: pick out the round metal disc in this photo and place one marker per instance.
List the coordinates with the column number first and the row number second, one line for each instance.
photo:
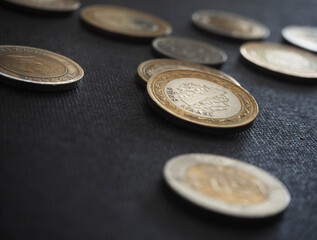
column 226, row 186
column 281, row 58
column 189, row 50
column 38, row 69
column 124, row 21
column 230, row 25
column 47, row 5
column 301, row 36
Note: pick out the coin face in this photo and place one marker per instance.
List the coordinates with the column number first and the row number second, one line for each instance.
column 280, row 58
column 48, row 5
column 226, row 186
column 124, row 21
column 38, row 69
column 189, row 50
column 151, row 67
column 230, row 25
column 201, row 99
column 301, row 36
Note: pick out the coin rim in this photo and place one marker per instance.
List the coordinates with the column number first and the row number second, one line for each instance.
column 75, row 6
column 278, row 197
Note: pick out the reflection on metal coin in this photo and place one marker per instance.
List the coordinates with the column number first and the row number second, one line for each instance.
column 124, row 21
column 281, row 58
column 201, row 100
column 189, row 50
column 301, row 36
column 226, row 186
column 38, row 69
column 151, row 67
column 230, row 25
column 47, row 5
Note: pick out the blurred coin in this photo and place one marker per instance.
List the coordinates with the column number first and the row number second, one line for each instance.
column 38, row 69
column 201, row 100
column 226, row 186
column 151, row 67
column 281, row 58
column 189, row 50
column 301, row 36
column 124, row 21
column 48, row 5
column 230, row 25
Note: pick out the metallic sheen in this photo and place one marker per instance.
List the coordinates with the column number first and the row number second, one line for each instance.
column 48, row 5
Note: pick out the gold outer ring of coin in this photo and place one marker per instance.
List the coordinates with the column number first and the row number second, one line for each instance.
column 266, row 195
column 69, row 7
column 196, row 19
column 87, row 16
column 172, row 64
column 160, row 102
column 255, row 47
column 38, row 69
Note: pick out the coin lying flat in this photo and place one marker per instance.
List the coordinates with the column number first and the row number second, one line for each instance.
column 38, row 69
column 201, row 100
column 301, row 36
column 124, row 21
column 151, row 67
column 282, row 59
column 230, row 25
column 226, row 186
column 189, row 50
column 48, row 5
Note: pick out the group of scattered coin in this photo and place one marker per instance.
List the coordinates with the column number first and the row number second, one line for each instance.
column 186, row 92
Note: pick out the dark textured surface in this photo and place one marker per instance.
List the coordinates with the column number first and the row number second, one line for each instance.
column 87, row 163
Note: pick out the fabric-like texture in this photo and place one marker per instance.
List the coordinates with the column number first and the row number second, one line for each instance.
column 87, row 163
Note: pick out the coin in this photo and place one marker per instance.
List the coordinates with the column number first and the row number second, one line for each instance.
column 226, row 186
column 48, row 5
column 151, row 67
column 230, row 25
column 281, row 58
column 124, row 21
column 189, row 50
column 201, row 100
column 301, row 36
column 38, row 69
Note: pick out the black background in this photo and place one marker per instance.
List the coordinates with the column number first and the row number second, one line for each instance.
column 87, row 163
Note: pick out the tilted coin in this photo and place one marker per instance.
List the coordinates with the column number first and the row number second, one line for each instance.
column 38, row 69
column 281, row 58
column 48, row 5
column 201, row 100
column 124, row 21
column 226, row 186
column 189, row 50
column 301, row 36
column 151, row 67
column 230, row 25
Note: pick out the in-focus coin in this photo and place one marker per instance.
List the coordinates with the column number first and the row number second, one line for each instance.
column 226, row 186
column 48, row 5
column 281, row 58
column 151, row 67
column 189, row 50
column 230, row 25
column 124, row 21
column 301, row 36
column 201, row 100
column 38, row 69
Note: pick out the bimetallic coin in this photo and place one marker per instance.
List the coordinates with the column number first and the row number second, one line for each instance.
column 282, row 59
column 38, row 69
column 151, row 67
column 201, row 100
column 301, row 36
column 48, row 5
column 226, row 186
column 124, row 21
column 189, row 50
column 230, row 25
